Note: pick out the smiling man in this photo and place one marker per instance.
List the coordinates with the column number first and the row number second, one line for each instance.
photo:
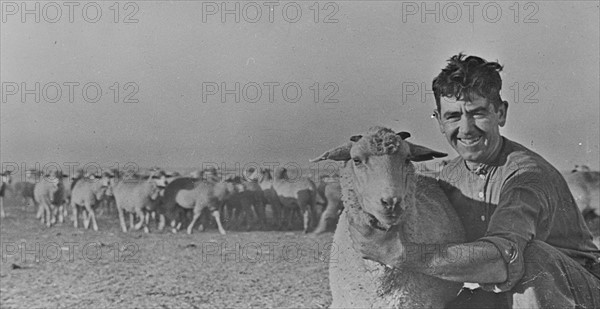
column 527, row 243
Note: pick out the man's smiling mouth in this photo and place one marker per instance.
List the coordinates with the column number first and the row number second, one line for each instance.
column 470, row 141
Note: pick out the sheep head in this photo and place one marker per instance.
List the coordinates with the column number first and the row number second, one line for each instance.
column 260, row 174
column 155, row 191
column 382, row 173
column 6, row 178
column 105, row 184
column 280, row 173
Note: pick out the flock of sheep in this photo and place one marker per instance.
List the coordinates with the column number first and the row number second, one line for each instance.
column 262, row 200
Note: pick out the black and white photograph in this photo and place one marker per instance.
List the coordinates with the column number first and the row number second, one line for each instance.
column 300, row 154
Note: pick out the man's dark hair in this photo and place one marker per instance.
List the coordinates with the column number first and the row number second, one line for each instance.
column 464, row 77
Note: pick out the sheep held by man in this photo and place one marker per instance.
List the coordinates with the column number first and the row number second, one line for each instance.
column 380, row 188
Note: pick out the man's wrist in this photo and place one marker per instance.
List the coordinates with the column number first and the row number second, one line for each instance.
column 416, row 256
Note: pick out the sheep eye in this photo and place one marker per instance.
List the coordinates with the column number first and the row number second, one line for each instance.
column 357, row 161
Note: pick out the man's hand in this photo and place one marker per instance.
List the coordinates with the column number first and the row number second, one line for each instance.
column 383, row 246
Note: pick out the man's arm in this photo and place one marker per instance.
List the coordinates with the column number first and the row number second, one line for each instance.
column 495, row 258
column 478, row 261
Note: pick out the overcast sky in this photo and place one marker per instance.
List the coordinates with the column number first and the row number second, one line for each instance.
column 370, row 62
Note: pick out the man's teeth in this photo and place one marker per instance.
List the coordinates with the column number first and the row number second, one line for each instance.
column 469, row 141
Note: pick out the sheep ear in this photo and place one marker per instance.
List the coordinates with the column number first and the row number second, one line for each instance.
column 341, row 153
column 421, row 153
column 355, row 138
column 403, row 135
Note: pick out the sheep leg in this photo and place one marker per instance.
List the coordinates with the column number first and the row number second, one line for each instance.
column 277, row 215
column 86, row 219
column 245, row 213
column 131, row 220
column 235, row 218
column 53, row 214
column 122, row 219
column 305, row 208
column 56, row 210
column 238, row 217
column 173, row 229
column 66, row 210
column 75, row 218
column 101, row 205
column 223, row 208
column 283, row 219
column 191, row 226
column 306, row 217
column 161, row 222
column 40, row 212
column 290, row 217
column 231, row 221
column 146, row 222
column 259, row 208
column 94, row 223
column 217, row 217
column 61, row 212
column 228, row 213
column 140, row 213
column 92, row 216
column 48, row 214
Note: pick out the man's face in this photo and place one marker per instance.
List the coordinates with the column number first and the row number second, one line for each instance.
column 472, row 127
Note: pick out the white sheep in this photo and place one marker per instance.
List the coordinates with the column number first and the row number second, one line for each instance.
column 135, row 197
column 48, row 194
column 288, row 195
column 88, row 193
column 192, row 194
column 379, row 186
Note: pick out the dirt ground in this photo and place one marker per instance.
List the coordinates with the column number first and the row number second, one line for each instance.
column 64, row 267
column 78, row 268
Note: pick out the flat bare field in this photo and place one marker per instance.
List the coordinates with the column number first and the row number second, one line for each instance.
column 64, row 267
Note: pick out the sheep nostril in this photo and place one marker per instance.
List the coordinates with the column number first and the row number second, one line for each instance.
column 390, row 202
column 387, row 202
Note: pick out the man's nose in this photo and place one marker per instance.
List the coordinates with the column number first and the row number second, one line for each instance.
column 466, row 124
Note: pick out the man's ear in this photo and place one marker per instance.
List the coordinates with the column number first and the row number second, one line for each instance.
column 438, row 117
column 502, row 110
